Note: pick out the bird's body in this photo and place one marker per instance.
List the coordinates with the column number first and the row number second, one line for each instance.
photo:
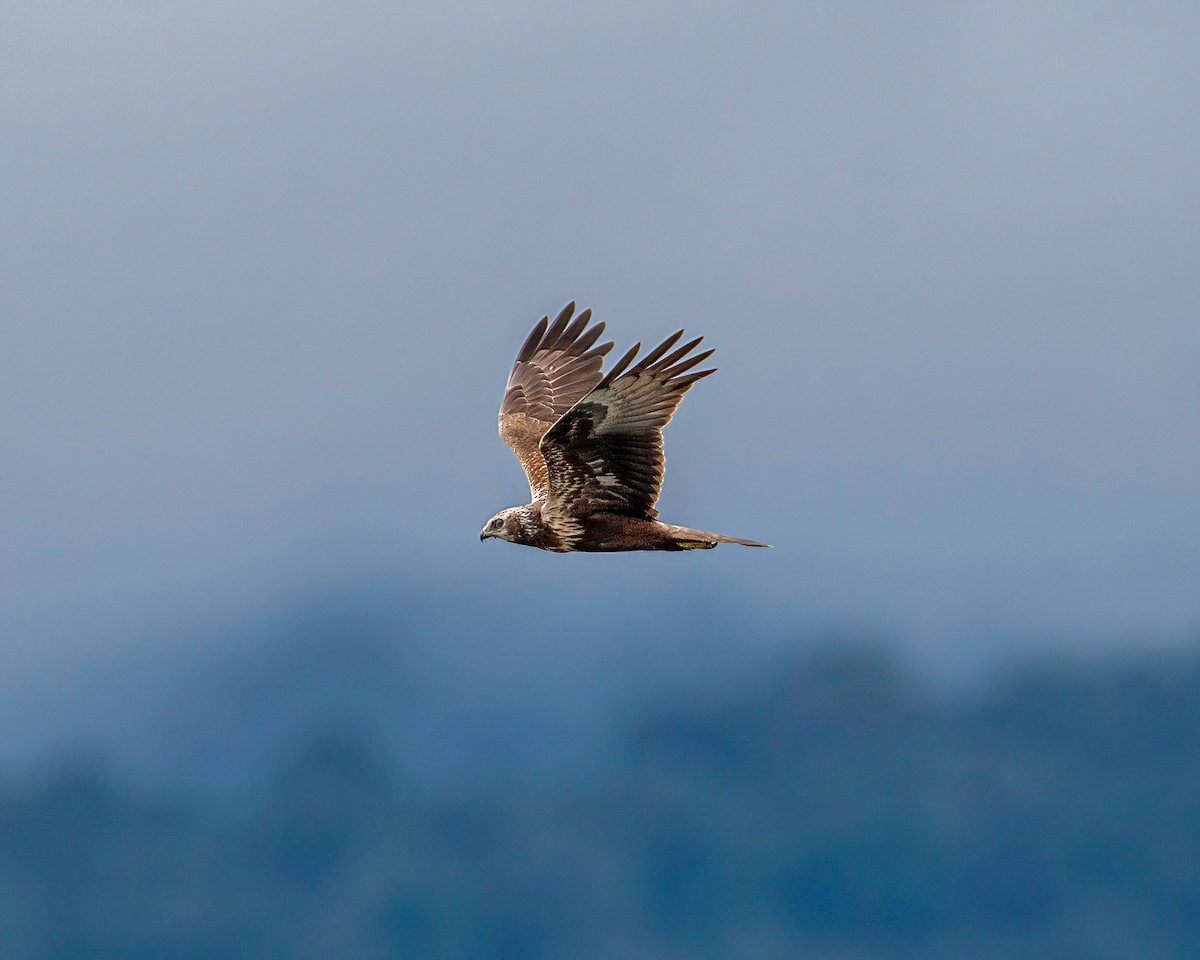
column 591, row 445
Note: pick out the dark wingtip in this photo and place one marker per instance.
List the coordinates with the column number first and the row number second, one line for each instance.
column 558, row 327
column 534, row 338
column 679, row 354
column 621, row 364
column 571, row 334
column 658, row 351
column 584, row 343
column 685, row 382
column 687, row 364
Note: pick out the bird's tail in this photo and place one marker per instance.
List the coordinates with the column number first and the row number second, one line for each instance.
column 688, row 539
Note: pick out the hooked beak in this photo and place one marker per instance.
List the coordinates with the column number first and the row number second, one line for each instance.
column 483, row 536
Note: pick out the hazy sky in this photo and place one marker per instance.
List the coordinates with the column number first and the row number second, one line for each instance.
column 263, row 268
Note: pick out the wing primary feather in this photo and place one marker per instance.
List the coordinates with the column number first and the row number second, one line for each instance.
column 532, row 341
column 585, row 342
column 688, row 379
column 564, row 314
column 678, row 354
column 689, row 363
column 658, row 351
column 620, row 366
column 554, row 334
column 600, row 351
column 576, row 328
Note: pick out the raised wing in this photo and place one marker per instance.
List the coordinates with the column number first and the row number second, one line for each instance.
column 556, row 367
column 606, row 454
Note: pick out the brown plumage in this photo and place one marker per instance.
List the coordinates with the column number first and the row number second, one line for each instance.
column 591, row 444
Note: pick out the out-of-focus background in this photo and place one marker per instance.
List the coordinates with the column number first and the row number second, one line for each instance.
column 263, row 268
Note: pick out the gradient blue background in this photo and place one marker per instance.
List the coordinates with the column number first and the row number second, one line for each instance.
column 264, row 268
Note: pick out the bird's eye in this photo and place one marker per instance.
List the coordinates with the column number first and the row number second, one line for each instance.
column 497, row 524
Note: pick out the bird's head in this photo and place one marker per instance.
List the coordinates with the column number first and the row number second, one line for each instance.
column 503, row 525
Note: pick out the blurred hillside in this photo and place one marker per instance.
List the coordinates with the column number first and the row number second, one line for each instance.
column 832, row 807
column 445, row 686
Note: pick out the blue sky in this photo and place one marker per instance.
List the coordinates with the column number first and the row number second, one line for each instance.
column 263, row 269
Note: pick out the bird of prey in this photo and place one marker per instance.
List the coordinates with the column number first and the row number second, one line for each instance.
column 591, row 444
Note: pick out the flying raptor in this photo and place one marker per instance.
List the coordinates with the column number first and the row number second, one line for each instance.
column 591, row 444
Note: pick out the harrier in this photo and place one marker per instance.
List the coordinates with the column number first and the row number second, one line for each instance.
column 591, row 444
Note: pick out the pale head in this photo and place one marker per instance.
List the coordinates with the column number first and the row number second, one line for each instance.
column 506, row 525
